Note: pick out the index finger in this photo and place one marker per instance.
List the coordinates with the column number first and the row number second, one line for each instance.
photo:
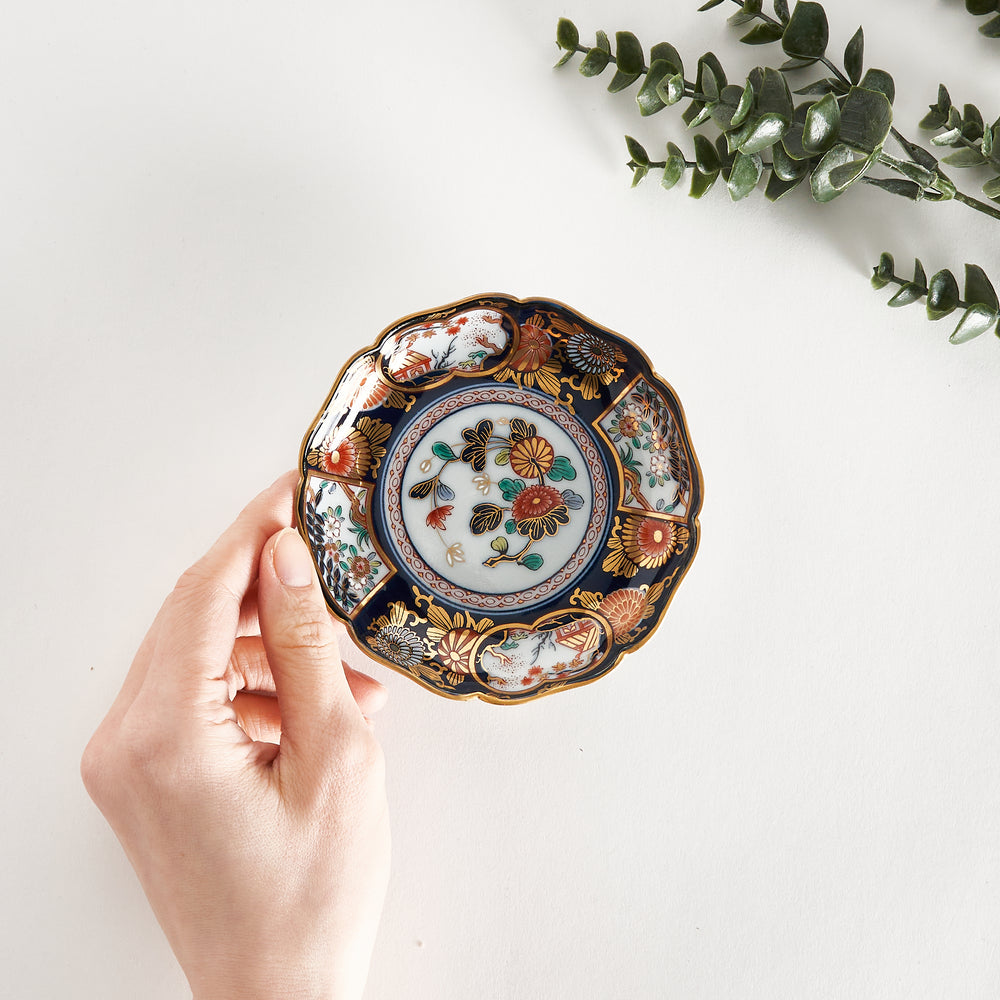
column 201, row 615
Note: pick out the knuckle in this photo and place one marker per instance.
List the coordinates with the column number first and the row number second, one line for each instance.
column 311, row 634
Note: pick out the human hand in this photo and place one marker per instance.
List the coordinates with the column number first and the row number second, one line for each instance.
column 257, row 824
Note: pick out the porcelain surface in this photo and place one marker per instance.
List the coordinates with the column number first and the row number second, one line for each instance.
column 500, row 497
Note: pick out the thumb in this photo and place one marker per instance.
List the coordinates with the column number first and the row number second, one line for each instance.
column 302, row 648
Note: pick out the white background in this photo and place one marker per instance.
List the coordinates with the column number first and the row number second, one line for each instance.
column 792, row 791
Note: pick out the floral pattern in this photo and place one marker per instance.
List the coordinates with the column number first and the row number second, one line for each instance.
column 507, row 481
column 651, row 451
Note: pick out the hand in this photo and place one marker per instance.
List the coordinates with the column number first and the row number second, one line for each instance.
column 243, row 778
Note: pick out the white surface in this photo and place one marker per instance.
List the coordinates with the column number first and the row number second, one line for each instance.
column 793, row 791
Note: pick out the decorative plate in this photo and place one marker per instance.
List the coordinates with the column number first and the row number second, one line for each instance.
column 500, row 498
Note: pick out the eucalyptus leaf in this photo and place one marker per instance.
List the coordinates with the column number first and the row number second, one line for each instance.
column 942, row 295
column 919, row 274
column 762, row 34
column 976, row 320
column 675, row 166
column 709, row 64
column 822, row 125
column 628, row 53
column 648, row 97
column 701, row 183
column 774, row 96
column 991, row 29
column 784, row 167
column 705, row 155
column 670, row 89
column 980, row 6
column 905, row 189
column 965, row 157
column 854, row 55
column 745, row 174
column 807, row 33
column 907, row 294
column 865, row 119
column 764, row 132
column 622, row 81
column 947, row 138
column 979, row 288
column 778, row 187
column 781, row 10
column 710, row 5
column 992, row 188
column 636, row 151
column 744, row 107
column 835, row 172
column 878, row 79
column 884, row 272
column 567, row 35
column 595, row 62
column 667, row 52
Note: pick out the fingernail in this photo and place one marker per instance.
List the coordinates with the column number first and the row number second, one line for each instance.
column 292, row 561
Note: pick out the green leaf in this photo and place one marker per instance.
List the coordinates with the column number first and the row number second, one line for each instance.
column 977, row 319
column 648, row 98
column 774, row 97
column 884, row 272
column 666, row 52
column 443, row 451
column 942, row 295
column 878, row 79
column 711, row 76
column 778, row 187
column 499, row 544
column 972, row 122
column 762, row 34
column 725, row 107
column 807, row 33
column 965, row 157
column 639, row 171
column 865, row 120
column 567, row 36
column 636, row 151
column 979, row 288
column 980, row 7
column 701, row 183
column 674, row 170
column 510, row 526
column 595, row 62
column 745, row 174
column 744, row 106
column 781, row 10
column 992, row 188
column 907, row 294
column 784, row 167
column 764, row 132
column 991, row 29
column 905, row 189
column 622, row 81
column 670, row 89
column 919, row 274
column 822, row 124
column 705, row 155
column 532, row 560
column 628, row 53
column 710, row 4
column 837, row 170
column 854, row 55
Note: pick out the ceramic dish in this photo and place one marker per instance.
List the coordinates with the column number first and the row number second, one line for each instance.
column 500, row 498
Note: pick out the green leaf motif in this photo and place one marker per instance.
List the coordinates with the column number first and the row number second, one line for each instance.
column 636, row 151
column 532, row 560
column 561, row 469
column 443, row 451
column 510, row 488
column 499, row 544
column 807, row 33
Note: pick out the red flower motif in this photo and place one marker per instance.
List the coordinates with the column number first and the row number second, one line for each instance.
column 535, row 501
column 437, row 517
column 534, row 349
column 339, row 459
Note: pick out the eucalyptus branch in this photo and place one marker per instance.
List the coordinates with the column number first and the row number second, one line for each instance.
column 980, row 308
column 991, row 29
column 835, row 141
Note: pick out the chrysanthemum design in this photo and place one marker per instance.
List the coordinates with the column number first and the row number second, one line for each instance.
column 538, row 511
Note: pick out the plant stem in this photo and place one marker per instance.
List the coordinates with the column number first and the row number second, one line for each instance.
column 896, row 280
column 980, row 206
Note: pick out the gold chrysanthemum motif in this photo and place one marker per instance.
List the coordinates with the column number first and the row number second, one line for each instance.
column 532, row 457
